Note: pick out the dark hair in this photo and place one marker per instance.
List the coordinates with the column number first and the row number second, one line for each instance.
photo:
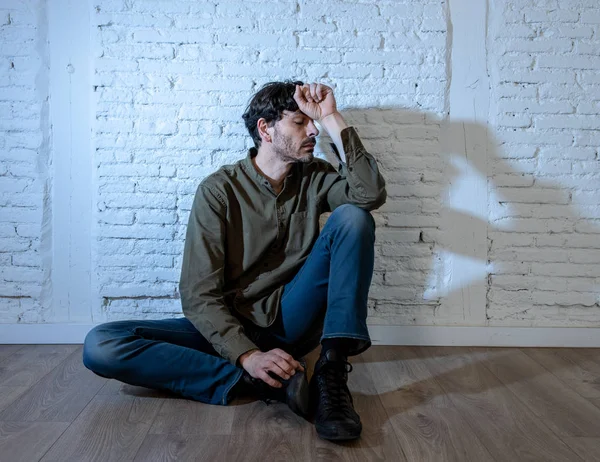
column 269, row 103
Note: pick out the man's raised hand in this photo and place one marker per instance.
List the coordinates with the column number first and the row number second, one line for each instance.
column 277, row 361
column 315, row 100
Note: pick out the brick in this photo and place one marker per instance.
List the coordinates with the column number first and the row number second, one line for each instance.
column 565, row 299
column 532, row 107
column 117, row 217
column 519, row 30
column 128, row 170
column 524, row 283
column 142, row 200
column 173, row 36
column 519, row 180
column 532, row 255
column 21, row 274
column 541, row 76
column 256, row 10
column 590, row 16
column 571, row 31
column 566, row 269
column 584, row 256
column 587, row 226
column 565, row 121
column 569, row 62
column 155, row 217
column 146, row 231
column 587, row 48
column 537, row 196
column 144, row 261
column 534, row 16
column 547, row 153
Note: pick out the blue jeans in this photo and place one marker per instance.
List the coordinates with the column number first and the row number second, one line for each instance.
column 327, row 298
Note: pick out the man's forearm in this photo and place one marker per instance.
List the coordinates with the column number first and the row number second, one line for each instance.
column 334, row 124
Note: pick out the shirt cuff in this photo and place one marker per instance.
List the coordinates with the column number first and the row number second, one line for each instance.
column 353, row 147
column 235, row 347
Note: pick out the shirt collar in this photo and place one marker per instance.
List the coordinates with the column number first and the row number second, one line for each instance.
column 249, row 167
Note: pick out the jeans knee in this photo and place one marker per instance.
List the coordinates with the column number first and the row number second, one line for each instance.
column 354, row 218
column 97, row 354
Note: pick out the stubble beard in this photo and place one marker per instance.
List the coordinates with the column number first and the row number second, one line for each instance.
column 284, row 148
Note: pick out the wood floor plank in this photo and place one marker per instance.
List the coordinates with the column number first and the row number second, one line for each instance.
column 590, row 353
column 28, row 441
column 29, row 364
column 438, row 433
column 9, row 394
column 586, row 448
column 561, row 408
column 508, row 429
column 371, row 446
column 424, row 419
column 401, row 379
column 284, row 445
column 305, row 445
column 7, row 350
column 577, row 369
column 110, row 428
column 59, row 396
column 256, row 417
column 242, row 447
column 183, row 448
column 186, row 417
column 116, row 388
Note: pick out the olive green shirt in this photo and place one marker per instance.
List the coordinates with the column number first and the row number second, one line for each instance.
column 244, row 241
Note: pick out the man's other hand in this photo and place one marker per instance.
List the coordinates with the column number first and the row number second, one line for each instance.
column 315, row 100
column 277, row 361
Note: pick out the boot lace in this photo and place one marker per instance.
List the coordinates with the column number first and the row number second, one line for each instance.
column 334, row 393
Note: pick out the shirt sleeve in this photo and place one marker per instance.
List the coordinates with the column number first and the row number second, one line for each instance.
column 202, row 277
column 358, row 181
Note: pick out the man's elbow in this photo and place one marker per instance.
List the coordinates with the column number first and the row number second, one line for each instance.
column 376, row 201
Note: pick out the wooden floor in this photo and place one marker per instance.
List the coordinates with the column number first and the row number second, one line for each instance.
column 416, row 404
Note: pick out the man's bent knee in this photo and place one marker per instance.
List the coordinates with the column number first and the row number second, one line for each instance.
column 98, row 354
column 353, row 216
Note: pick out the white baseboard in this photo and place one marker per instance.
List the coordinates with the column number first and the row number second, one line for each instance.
column 43, row 333
column 573, row 337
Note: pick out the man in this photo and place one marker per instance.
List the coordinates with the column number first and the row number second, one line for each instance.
column 260, row 285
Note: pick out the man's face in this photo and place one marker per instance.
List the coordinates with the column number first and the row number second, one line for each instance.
column 294, row 137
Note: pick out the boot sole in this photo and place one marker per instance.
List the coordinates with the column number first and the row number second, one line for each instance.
column 338, row 434
column 298, row 395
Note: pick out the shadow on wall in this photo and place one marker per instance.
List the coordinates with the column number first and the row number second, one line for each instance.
column 432, row 245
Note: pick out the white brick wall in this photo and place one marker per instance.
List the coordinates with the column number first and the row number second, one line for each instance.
column 169, row 84
column 544, row 214
column 24, row 138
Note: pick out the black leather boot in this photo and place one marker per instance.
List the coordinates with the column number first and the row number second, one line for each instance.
column 294, row 391
column 332, row 404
